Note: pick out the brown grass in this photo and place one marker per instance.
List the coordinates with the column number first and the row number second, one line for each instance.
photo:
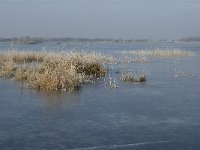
column 161, row 53
column 22, row 56
column 129, row 76
column 52, row 71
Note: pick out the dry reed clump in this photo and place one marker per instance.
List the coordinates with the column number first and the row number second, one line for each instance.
column 127, row 59
column 162, row 53
column 22, row 56
column 7, row 69
column 52, row 71
column 129, row 76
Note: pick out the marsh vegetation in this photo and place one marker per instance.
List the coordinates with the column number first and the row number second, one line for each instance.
column 130, row 76
column 161, row 52
column 65, row 71
column 51, row 70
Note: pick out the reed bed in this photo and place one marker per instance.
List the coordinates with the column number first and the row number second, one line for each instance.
column 161, row 53
column 22, row 56
column 129, row 76
column 128, row 59
column 51, row 70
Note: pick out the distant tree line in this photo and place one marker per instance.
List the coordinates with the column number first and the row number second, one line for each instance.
column 22, row 40
column 38, row 40
column 190, row 39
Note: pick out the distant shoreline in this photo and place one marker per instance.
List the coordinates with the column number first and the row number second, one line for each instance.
column 40, row 40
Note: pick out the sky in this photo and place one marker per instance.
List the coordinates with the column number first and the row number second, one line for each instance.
column 126, row 19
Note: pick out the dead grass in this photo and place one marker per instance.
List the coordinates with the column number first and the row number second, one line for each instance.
column 161, row 53
column 52, row 71
column 22, row 56
column 129, row 76
column 7, row 69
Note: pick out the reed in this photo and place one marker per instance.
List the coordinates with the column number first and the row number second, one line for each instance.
column 7, row 69
column 50, row 70
column 22, row 56
column 129, row 76
column 161, row 53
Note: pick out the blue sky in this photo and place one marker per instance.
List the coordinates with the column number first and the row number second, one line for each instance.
column 128, row 19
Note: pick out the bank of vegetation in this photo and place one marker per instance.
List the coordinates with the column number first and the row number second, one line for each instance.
column 52, row 71
column 160, row 53
column 65, row 71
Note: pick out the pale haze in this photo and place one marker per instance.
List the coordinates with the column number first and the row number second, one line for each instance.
column 129, row 19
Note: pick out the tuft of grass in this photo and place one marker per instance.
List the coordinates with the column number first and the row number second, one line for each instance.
column 127, row 59
column 161, row 53
column 22, row 56
column 7, row 69
column 129, row 76
column 52, row 71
